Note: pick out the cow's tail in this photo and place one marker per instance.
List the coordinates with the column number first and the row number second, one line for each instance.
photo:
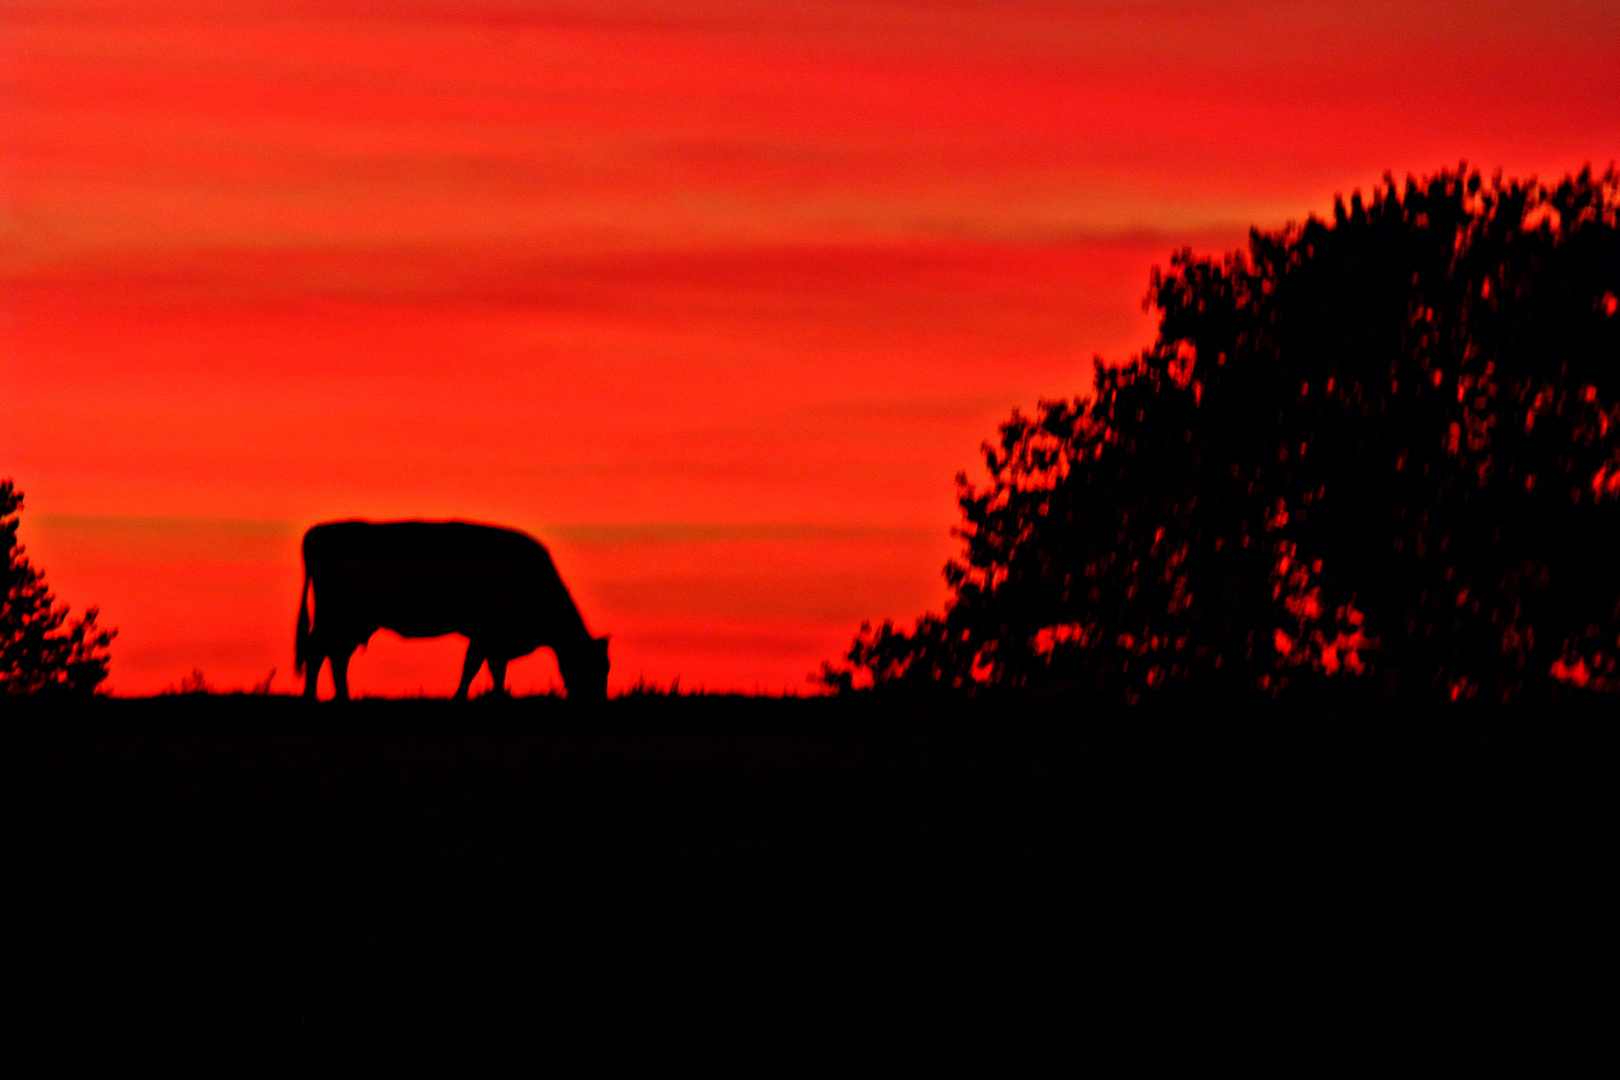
column 301, row 644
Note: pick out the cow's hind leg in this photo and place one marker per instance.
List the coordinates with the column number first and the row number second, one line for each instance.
column 475, row 660
column 497, row 671
column 340, row 670
column 312, row 674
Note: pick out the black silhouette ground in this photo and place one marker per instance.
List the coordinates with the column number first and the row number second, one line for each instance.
column 821, row 884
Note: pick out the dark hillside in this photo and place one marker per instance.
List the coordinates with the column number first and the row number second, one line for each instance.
column 792, row 881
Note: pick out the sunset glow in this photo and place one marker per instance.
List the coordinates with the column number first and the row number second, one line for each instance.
column 712, row 298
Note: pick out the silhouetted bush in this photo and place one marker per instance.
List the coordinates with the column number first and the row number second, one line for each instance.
column 1379, row 454
column 40, row 649
column 193, row 684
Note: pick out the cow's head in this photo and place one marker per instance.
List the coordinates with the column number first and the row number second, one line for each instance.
column 584, row 669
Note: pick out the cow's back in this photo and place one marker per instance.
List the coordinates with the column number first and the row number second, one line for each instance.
column 424, row 578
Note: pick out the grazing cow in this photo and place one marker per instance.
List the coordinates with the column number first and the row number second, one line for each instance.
column 427, row 578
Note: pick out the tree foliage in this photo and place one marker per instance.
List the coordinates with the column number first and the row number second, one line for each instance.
column 41, row 650
column 1377, row 453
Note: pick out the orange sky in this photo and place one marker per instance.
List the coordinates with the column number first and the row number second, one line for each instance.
column 713, row 298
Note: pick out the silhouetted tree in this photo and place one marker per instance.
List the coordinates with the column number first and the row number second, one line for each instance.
column 1377, row 453
column 40, row 649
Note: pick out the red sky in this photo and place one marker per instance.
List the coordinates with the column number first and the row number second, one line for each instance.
column 713, row 298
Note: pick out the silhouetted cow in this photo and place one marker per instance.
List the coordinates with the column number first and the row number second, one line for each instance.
column 428, row 578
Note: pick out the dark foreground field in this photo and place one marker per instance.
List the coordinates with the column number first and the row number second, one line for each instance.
column 806, row 883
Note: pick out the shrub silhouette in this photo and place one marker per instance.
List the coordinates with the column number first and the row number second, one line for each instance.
column 193, row 684
column 40, row 649
column 1374, row 454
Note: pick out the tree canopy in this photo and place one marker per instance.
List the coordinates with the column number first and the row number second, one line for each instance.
column 41, row 649
column 1377, row 453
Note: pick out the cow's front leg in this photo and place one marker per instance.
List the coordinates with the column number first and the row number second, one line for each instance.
column 340, row 671
column 475, row 660
column 497, row 671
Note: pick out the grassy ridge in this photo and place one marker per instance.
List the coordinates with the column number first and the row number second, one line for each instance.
column 806, row 877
